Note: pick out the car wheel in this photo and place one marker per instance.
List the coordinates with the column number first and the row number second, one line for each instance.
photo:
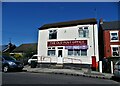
column 5, row 68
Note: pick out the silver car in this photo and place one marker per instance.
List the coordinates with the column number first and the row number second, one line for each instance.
column 117, row 69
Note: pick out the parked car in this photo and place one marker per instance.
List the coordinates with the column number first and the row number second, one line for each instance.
column 117, row 69
column 10, row 63
column 33, row 58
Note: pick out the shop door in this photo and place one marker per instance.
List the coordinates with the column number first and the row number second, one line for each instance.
column 59, row 53
column 60, row 58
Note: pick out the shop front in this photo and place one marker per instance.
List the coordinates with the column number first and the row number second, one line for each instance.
column 67, row 48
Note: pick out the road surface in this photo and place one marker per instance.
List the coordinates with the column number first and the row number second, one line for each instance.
column 42, row 78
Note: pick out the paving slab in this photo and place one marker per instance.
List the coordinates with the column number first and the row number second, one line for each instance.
column 92, row 74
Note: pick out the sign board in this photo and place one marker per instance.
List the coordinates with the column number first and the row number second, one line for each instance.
column 67, row 43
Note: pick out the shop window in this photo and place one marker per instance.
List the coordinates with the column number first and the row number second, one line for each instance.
column 77, row 52
column 83, row 32
column 84, row 52
column 53, row 34
column 70, row 52
column 51, row 52
column 114, row 36
column 115, row 51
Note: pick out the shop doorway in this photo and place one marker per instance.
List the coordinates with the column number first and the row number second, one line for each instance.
column 60, row 57
column 59, row 53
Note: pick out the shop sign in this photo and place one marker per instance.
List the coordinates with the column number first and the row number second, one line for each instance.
column 67, row 43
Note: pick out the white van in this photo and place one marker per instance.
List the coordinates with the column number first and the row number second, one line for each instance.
column 33, row 58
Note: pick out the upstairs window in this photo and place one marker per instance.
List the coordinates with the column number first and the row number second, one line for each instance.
column 83, row 32
column 114, row 36
column 53, row 34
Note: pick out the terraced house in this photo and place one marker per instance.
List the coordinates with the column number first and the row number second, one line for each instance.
column 109, row 35
column 74, row 42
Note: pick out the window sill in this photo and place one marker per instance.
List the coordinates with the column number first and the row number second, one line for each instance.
column 84, row 37
column 77, row 56
column 51, row 56
column 114, row 41
column 115, row 56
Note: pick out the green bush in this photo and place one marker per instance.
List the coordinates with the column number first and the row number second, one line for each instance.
column 6, row 54
column 18, row 56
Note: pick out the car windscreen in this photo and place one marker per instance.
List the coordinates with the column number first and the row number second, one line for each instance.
column 8, row 58
column 34, row 57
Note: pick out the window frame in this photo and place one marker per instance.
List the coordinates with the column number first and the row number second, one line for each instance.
column 85, row 32
column 51, row 36
column 51, row 50
column 77, row 55
column 84, row 50
column 111, row 36
column 113, row 46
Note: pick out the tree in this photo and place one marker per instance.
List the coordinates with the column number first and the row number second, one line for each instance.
column 29, row 53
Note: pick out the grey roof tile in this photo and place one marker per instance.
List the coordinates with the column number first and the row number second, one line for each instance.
column 113, row 25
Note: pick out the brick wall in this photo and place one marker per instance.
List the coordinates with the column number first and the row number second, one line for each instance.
column 107, row 43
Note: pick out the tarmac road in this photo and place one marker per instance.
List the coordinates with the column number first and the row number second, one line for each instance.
column 42, row 78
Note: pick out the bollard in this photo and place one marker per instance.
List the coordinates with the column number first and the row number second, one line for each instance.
column 100, row 66
column 112, row 67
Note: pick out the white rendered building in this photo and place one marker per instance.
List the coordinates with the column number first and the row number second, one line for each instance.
column 69, row 42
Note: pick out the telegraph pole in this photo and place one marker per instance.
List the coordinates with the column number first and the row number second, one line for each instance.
column 9, row 45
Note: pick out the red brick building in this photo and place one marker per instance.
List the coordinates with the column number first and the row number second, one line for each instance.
column 109, row 39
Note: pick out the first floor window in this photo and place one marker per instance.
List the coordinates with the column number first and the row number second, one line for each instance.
column 114, row 36
column 51, row 52
column 53, row 34
column 115, row 51
column 83, row 32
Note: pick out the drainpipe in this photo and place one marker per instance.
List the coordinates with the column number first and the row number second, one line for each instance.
column 93, row 57
column 94, row 39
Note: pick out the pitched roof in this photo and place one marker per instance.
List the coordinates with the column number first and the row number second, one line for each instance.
column 69, row 23
column 3, row 47
column 26, row 47
column 7, row 48
column 113, row 25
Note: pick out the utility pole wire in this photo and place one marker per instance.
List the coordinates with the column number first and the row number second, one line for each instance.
column 95, row 12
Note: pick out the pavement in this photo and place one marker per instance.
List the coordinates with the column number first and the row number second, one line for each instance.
column 75, row 72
